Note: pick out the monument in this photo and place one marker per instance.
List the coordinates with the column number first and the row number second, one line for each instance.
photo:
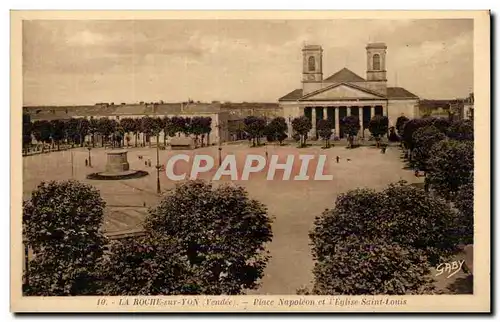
column 117, row 168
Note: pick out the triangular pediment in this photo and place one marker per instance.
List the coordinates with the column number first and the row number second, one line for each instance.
column 342, row 91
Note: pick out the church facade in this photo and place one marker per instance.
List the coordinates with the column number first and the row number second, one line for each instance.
column 345, row 93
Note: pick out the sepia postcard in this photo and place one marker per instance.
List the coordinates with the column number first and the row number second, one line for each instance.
column 250, row 161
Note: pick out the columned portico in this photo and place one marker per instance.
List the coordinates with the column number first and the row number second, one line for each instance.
column 334, row 111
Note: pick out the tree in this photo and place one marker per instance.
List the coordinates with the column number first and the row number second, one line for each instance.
column 400, row 122
column 128, row 124
column 254, row 127
column 462, row 130
column 187, row 126
column 137, row 129
column 206, row 129
column 409, row 128
column 393, row 137
column 400, row 214
column 61, row 224
column 302, row 125
column 351, row 127
column 425, row 138
column 93, row 129
column 147, row 266
column 27, row 130
column 167, row 129
column 83, row 129
column 117, row 134
column 42, row 131
column 441, row 124
column 221, row 232
column 105, row 128
column 147, row 126
column 178, row 124
column 276, row 130
column 325, row 131
column 378, row 127
column 197, row 127
column 464, row 202
column 58, row 128
column 72, row 131
column 450, row 166
column 361, row 266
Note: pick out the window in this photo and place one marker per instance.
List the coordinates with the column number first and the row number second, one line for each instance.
column 376, row 62
column 312, row 64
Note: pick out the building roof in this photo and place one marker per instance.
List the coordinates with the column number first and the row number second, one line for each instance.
column 376, row 45
column 312, row 47
column 392, row 93
column 292, row 96
column 399, row 92
column 344, row 76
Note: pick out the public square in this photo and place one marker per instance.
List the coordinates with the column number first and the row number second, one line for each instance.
column 293, row 204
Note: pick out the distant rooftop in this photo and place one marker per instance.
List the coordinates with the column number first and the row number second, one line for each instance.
column 376, row 45
column 313, row 47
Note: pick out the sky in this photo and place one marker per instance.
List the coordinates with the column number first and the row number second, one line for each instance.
column 77, row 62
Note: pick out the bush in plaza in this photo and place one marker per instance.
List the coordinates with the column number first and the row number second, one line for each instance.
column 401, row 213
column 408, row 129
column 325, row 131
column 400, row 122
column 424, row 139
column 254, row 127
column 147, row 266
column 465, row 204
column 61, row 224
column 382, row 242
column 220, row 231
column 361, row 266
column 462, row 130
column 276, row 130
column 451, row 165
column 378, row 126
column 350, row 125
column 302, row 125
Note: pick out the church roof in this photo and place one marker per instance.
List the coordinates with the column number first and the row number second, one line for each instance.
column 292, row 96
column 344, row 76
column 399, row 92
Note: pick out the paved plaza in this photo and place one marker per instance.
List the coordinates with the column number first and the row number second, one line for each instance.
column 293, row 204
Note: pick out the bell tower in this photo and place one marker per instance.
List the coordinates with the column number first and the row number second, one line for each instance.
column 376, row 73
column 312, row 68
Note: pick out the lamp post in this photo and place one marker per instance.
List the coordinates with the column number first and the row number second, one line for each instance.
column 90, row 160
column 219, row 127
column 158, row 188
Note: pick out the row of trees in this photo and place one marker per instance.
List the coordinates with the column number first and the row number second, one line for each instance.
column 350, row 126
column 385, row 242
column 206, row 240
column 255, row 128
column 198, row 240
column 443, row 150
column 74, row 131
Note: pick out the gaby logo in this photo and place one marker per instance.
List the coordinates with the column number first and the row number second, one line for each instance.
column 237, row 167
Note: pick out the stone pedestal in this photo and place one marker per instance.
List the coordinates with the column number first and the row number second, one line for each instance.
column 117, row 162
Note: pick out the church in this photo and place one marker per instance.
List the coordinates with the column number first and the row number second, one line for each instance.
column 345, row 93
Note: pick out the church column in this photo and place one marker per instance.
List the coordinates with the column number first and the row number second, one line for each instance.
column 337, row 121
column 313, row 116
column 372, row 112
column 348, row 110
column 360, row 116
column 325, row 113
